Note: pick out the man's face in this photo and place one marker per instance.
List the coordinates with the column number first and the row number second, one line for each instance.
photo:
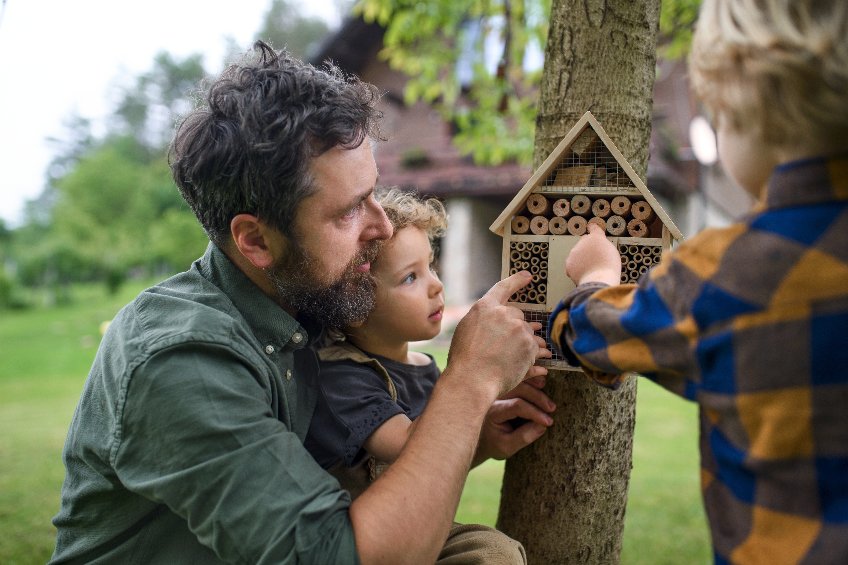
column 325, row 271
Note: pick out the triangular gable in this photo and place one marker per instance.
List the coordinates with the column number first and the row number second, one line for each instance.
column 567, row 166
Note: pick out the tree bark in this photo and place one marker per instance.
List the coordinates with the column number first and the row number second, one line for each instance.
column 564, row 497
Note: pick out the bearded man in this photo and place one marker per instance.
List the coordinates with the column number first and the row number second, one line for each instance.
column 187, row 443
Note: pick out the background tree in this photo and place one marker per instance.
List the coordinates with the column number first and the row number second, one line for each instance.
column 285, row 26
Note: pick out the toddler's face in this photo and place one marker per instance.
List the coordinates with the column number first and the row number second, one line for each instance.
column 410, row 298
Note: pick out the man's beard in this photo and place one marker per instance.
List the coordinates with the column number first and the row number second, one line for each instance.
column 335, row 304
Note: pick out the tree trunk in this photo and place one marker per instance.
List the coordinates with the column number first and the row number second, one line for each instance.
column 564, row 497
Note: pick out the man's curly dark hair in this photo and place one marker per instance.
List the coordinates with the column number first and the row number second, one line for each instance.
column 246, row 148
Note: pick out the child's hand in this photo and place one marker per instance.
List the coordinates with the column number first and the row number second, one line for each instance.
column 594, row 259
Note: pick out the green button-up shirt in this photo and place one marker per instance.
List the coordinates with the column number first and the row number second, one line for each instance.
column 187, row 443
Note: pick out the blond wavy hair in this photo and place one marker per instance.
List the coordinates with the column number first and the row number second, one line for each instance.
column 775, row 68
column 406, row 208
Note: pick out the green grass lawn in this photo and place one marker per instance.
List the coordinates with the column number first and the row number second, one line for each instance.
column 46, row 354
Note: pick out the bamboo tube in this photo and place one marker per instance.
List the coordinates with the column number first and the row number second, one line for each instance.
column 632, row 266
column 581, row 205
column 524, row 265
column 535, row 278
column 601, row 208
column 624, row 277
column 577, row 225
column 539, row 225
column 521, row 246
column 637, row 228
column 538, row 205
column 561, row 207
column 596, row 220
column 520, row 224
column 641, row 210
column 632, row 249
column 542, row 288
column 656, row 251
column 637, row 257
column 534, row 269
column 531, row 295
column 514, row 256
column 643, row 269
column 620, row 206
column 648, row 260
column 525, row 255
column 534, row 261
column 544, row 253
column 513, row 270
column 541, row 298
column 558, row 225
column 616, row 225
column 543, row 264
column 623, row 257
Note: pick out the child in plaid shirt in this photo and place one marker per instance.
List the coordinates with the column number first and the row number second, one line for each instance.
column 750, row 321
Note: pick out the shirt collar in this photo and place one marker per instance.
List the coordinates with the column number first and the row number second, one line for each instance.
column 272, row 325
column 808, row 181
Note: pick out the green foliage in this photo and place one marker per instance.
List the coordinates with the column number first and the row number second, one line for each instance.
column 285, row 26
column 445, row 48
column 467, row 58
column 110, row 208
column 677, row 22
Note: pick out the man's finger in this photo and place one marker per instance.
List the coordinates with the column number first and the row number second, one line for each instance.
column 509, row 286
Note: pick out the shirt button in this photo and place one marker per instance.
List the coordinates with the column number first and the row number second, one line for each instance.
column 297, row 337
column 269, row 349
column 288, row 374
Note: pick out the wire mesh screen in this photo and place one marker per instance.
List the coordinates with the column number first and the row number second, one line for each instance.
column 542, row 318
column 588, row 164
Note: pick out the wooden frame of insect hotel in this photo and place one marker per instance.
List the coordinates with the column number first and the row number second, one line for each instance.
column 584, row 180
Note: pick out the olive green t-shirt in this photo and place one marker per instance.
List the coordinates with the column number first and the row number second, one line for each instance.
column 187, row 442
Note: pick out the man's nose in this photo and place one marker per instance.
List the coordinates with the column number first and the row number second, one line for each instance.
column 379, row 226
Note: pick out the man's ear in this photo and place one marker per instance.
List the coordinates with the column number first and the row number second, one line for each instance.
column 255, row 240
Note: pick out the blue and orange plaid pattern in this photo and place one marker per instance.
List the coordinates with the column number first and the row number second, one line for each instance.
column 751, row 322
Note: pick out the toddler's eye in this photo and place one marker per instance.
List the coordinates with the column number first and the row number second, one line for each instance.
column 409, row 279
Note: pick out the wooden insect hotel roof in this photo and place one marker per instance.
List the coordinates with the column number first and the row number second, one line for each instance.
column 585, row 161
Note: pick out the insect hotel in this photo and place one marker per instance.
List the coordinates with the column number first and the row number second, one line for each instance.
column 584, row 180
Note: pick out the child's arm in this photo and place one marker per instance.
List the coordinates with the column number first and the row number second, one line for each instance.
column 612, row 329
column 500, row 437
column 387, row 441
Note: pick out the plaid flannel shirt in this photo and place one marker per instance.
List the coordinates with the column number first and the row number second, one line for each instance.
column 751, row 322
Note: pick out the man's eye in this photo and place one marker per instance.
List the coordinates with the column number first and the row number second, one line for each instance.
column 353, row 211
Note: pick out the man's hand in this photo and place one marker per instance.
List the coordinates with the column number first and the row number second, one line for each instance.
column 492, row 346
column 515, row 421
column 594, row 259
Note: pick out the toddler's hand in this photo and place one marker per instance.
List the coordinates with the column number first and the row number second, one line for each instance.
column 594, row 259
